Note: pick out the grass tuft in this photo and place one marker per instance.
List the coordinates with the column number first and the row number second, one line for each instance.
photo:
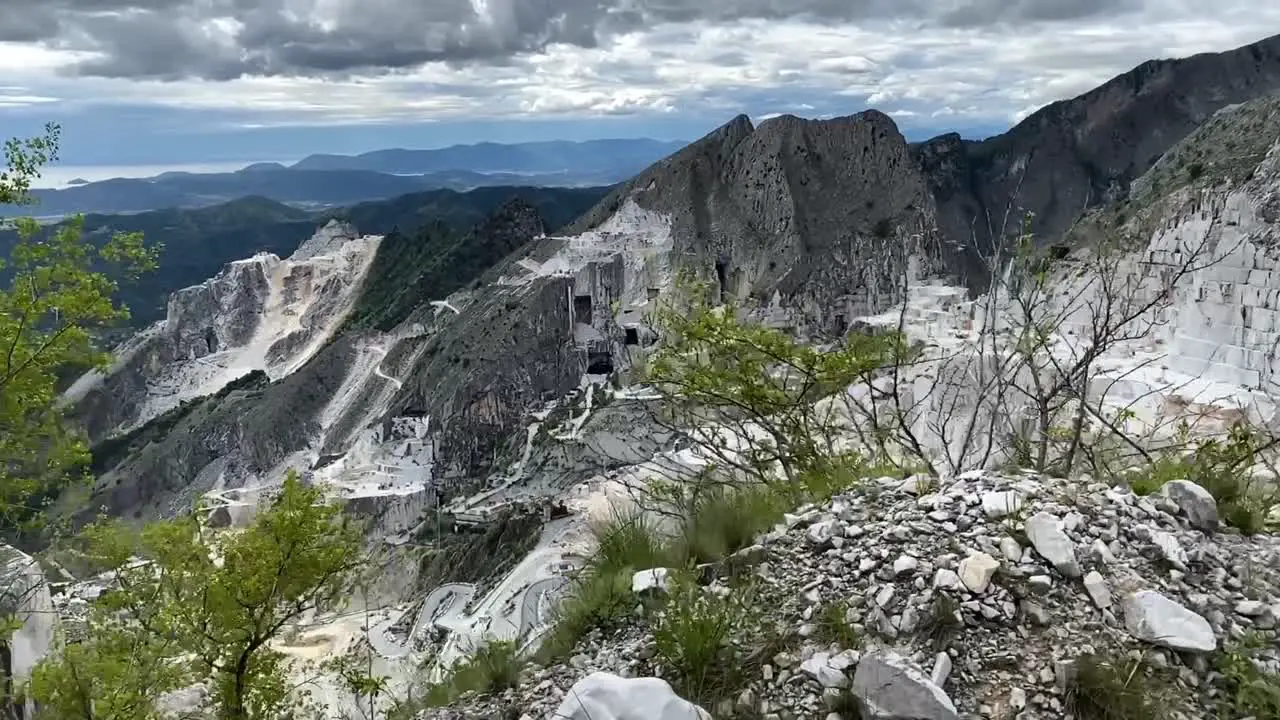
column 1118, row 688
column 833, row 628
column 696, row 634
column 493, row 668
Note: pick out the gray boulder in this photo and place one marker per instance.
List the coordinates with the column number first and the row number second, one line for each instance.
column 1154, row 618
column 1048, row 538
column 888, row 687
column 1195, row 502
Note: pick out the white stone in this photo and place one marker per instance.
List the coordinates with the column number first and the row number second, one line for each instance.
column 1195, row 502
column 905, row 564
column 976, row 571
column 655, row 579
column 820, row 533
column 946, row 579
column 604, row 696
column 1101, row 551
column 1171, row 549
column 1250, row 608
column 1010, row 548
column 886, row 685
column 1099, row 592
column 941, row 669
column 1047, row 537
column 829, row 674
column 1017, row 698
column 1040, row 584
column 999, row 504
column 1154, row 618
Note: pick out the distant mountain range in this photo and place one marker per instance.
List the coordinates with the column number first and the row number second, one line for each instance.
column 326, row 181
column 622, row 158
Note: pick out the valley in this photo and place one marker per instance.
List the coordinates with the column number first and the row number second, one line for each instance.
column 477, row 380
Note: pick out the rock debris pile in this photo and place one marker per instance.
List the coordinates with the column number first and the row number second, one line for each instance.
column 985, row 596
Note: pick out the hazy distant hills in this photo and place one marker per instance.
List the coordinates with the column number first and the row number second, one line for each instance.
column 324, row 181
column 617, row 158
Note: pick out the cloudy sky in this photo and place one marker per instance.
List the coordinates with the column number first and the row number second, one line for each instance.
column 181, row 81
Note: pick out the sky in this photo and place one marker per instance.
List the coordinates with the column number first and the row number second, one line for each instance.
column 165, row 82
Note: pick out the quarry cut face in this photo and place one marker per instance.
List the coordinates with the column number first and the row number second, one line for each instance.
column 259, row 314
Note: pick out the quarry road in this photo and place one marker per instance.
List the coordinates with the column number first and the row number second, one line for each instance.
column 377, row 369
column 442, row 305
column 534, row 600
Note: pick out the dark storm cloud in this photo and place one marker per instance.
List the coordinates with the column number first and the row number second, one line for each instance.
column 170, row 39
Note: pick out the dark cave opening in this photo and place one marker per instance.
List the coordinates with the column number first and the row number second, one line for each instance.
column 582, row 309
column 631, row 336
column 599, row 363
column 722, row 276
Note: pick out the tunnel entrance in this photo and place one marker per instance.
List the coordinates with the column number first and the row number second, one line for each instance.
column 211, row 340
column 582, row 309
column 599, row 363
column 632, row 336
column 722, row 276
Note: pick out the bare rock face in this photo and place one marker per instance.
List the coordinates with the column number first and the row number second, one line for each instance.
column 1084, row 152
column 24, row 597
column 812, row 213
column 260, row 313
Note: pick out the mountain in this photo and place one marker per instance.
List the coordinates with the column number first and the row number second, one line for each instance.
column 329, row 180
column 439, row 381
column 1082, row 152
column 199, row 241
column 814, row 219
column 612, row 158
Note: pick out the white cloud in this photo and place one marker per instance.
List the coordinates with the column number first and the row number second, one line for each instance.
column 993, row 74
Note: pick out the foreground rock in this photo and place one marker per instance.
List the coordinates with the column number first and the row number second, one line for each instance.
column 1195, row 502
column 604, row 696
column 888, row 687
column 949, row 612
column 1155, row 618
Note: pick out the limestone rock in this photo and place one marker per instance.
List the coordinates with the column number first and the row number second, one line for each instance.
column 1195, row 502
column 999, row 504
column 1156, row 619
column 650, row 581
column 605, row 696
column 1048, row 538
column 976, row 571
column 1099, row 592
column 888, row 687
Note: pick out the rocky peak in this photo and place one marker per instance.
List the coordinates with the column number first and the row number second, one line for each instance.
column 1084, row 152
column 813, row 213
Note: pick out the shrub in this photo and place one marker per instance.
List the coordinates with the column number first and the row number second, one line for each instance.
column 495, row 667
column 1250, row 691
column 596, row 600
column 1221, row 466
column 628, row 543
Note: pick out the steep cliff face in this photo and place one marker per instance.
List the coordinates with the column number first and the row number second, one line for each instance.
column 262, row 313
column 1084, row 152
column 1184, row 274
column 811, row 214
